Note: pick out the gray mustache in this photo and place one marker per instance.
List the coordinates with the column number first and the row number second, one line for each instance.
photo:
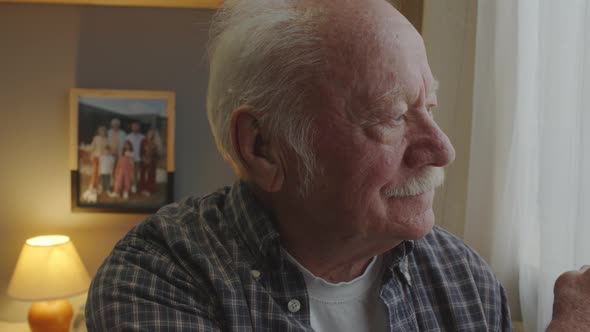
column 430, row 179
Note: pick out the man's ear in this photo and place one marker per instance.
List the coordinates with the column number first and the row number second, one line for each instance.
column 259, row 157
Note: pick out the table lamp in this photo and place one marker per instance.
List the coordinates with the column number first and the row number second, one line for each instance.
column 47, row 271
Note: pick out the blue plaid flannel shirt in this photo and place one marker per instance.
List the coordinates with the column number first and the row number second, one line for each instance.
column 215, row 264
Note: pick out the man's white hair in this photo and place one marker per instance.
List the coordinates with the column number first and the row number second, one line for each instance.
column 265, row 54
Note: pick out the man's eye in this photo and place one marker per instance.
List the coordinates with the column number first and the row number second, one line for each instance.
column 399, row 119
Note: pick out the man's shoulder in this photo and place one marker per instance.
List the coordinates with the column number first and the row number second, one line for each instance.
column 440, row 249
column 182, row 239
column 440, row 241
column 450, row 272
column 186, row 223
column 163, row 266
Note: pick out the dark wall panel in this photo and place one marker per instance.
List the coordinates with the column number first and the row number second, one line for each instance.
column 158, row 49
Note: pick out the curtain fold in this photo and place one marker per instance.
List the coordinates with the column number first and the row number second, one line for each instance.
column 528, row 205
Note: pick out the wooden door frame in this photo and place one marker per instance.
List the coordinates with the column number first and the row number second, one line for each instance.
column 412, row 9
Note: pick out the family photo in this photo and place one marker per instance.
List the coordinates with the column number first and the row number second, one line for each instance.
column 122, row 151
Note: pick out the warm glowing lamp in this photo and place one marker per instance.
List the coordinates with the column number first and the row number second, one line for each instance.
column 47, row 271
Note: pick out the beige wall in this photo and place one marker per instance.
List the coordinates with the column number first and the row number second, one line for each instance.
column 37, row 66
column 41, row 58
column 449, row 33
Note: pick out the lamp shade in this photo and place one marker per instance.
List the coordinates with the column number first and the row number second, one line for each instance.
column 48, row 268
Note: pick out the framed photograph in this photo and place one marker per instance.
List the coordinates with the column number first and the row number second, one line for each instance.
column 121, row 150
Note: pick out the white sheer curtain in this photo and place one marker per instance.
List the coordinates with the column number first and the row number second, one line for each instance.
column 528, row 206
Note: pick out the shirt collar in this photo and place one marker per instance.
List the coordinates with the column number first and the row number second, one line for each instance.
column 253, row 222
column 397, row 257
column 397, row 261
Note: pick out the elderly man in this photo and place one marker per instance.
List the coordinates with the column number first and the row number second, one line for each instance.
column 324, row 110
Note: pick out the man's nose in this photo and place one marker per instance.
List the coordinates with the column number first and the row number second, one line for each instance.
column 428, row 145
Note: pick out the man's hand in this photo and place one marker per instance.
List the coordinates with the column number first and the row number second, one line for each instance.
column 571, row 306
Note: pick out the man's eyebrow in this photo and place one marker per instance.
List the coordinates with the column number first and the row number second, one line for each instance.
column 373, row 113
column 397, row 95
column 393, row 97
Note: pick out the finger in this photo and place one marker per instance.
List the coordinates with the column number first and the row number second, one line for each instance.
column 585, row 275
column 564, row 282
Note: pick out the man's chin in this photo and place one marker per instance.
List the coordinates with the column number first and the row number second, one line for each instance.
column 420, row 228
column 414, row 214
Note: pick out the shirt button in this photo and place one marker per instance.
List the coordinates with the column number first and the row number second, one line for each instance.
column 294, row 306
column 255, row 274
column 407, row 276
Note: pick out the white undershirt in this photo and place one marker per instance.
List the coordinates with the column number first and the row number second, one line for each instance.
column 346, row 306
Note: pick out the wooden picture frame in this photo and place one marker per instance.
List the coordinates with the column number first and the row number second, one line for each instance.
column 203, row 4
column 121, row 150
column 413, row 10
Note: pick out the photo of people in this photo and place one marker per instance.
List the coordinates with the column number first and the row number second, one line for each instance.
column 122, row 152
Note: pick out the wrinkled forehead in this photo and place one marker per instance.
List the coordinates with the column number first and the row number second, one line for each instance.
column 375, row 54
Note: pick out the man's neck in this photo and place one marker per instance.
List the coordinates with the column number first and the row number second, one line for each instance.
column 329, row 255
column 327, row 259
